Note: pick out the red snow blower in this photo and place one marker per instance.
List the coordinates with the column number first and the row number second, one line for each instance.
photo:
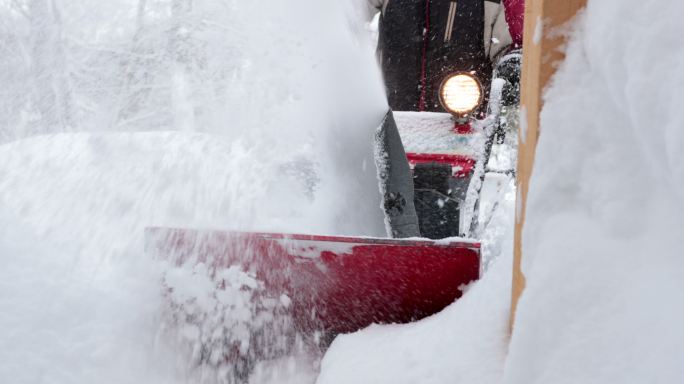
column 336, row 284
column 433, row 163
column 342, row 284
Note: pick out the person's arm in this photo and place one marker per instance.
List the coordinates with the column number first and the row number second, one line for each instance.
column 497, row 36
column 373, row 7
column 515, row 15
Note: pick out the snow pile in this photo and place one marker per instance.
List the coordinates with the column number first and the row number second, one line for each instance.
column 65, row 321
column 602, row 244
column 272, row 149
column 85, row 299
column 433, row 132
column 226, row 318
column 466, row 342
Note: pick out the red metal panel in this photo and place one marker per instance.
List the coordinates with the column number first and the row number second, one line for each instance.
column 463, row 164
column 338, row 284
column 463, row 128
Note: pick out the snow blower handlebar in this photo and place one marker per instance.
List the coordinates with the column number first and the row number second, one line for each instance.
column 504, row 91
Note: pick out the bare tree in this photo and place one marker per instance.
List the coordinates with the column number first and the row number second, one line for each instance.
column 181, row 52
column 134, row 74
column 51, row 94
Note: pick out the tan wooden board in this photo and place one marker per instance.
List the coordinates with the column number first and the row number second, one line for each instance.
column 542, row 53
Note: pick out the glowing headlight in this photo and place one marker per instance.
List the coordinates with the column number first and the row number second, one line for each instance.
column 460, row 93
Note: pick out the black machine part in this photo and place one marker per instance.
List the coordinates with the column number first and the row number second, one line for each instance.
column 426, row 202
column 437, row 208
column 421, row 42
column 505, row 91
column 508, row 68
column 396, row 184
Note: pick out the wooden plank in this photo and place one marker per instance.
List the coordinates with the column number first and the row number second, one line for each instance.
column 542, row 52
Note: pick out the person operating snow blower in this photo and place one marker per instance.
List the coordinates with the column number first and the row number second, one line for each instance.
column 421, row 44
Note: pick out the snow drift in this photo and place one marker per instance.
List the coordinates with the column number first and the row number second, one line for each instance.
column 603, row 259
column 447, row 347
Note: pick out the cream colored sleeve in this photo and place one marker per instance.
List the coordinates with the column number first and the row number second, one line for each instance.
column 496, row 34
column 373, row 7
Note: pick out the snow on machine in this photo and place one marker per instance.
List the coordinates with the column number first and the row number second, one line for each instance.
column 432, row 162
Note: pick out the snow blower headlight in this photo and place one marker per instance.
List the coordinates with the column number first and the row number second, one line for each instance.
column 460, row 93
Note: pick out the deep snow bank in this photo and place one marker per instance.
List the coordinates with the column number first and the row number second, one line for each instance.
column 65, row 319
column 602, row 242
column 466, row 342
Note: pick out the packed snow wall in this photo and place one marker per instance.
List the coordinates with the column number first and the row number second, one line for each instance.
column 601, row 244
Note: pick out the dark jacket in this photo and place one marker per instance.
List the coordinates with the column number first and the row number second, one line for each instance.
column 421, row 41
